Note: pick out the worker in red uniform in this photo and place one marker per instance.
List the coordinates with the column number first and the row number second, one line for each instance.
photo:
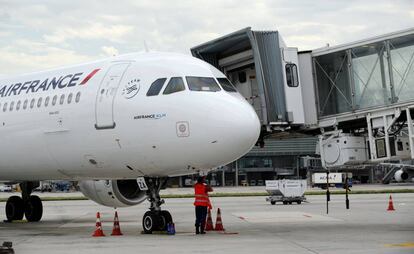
column 201, row 203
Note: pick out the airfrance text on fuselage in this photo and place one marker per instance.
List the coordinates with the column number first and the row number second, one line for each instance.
column 35, row 86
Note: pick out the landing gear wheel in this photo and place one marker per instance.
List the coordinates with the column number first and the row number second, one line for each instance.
column 33, row 209
column 273, row 202
column 166, row 218
column 150, row 222
column 14, row 208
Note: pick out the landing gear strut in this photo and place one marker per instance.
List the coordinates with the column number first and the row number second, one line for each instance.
column 28, row 205
column 155, row 219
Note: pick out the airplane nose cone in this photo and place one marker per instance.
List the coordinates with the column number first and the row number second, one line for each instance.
column 239, row 128
column 246, row 127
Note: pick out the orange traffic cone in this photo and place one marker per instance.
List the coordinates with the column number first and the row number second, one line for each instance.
column 116, row 229
column 219, row 222
column 390, row 205
column 98, row 231
column 209, row 223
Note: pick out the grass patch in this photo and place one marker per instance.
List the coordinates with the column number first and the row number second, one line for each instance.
column 342, row 192
column 55, row 198
column 249, row 194
column 308, row 193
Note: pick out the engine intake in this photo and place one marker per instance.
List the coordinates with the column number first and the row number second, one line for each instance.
column 113, row 193
column 400, row 176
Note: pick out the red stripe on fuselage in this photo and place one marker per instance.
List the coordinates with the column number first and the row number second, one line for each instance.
column 87, row 78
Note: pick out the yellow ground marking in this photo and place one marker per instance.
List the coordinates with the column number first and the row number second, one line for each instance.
column 406, row 245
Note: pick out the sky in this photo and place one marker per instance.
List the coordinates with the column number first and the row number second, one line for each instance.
column 41, row 34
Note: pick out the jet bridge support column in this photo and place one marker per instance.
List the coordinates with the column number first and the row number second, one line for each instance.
column 410, row 132
column 381, row 121
column 371, row 140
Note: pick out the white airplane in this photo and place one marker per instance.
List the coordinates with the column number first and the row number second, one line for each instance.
column 133, row 120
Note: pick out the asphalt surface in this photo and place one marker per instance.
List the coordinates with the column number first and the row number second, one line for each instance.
column 252, row 226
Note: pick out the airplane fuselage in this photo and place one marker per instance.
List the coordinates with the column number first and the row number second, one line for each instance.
column 96, row 121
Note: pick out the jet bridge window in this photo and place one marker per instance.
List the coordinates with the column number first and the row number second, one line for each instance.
column 292, row 75
column 226, row 85
column 156, row 87
column 202, row 84
column 174, row 85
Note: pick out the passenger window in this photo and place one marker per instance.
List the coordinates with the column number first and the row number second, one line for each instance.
column 156, row 87
column 70, row 98
column 39, row 102
column 4, row 107
column 25, row 104
column 202, row 84
column 47, row 101
column 32, row 102
column 292, row 75
column 227, row 85
column 78, row 95
column 174, row 85
column 18, row 105
column 54, row 100
column 62, row 99
column 11, row 105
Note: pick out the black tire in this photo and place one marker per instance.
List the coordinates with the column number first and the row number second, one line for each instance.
column 285, row 202
column 150, row 222
column 33, row 209
column 299, row 202
column 273, row 202
column 14, row 208
column 165, row 219
column 290, row 202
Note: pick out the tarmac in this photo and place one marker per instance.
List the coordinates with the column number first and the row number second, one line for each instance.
column 252, row 226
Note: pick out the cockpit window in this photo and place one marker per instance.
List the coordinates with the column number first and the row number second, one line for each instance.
column 174, row 85
column 202, row 84
column 156, row 87
column 226, row 84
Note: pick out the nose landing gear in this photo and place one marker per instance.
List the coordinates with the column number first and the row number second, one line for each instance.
column 155, row 219
column 28, row 205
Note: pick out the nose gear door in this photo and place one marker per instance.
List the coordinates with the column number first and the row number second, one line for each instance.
column 106, row 95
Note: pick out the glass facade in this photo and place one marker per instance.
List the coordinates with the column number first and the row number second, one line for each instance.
column 402, row 56
column 366, row 76
column 334, row 90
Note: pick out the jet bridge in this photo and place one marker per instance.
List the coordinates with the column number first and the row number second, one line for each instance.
column 358, row 97
column 365, row 90
column 264, row 71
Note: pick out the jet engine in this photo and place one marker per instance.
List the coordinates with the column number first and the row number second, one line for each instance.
column 113, row 193
column 400, row 176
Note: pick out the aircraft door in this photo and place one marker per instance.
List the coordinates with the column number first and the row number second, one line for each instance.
column 106, row 95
